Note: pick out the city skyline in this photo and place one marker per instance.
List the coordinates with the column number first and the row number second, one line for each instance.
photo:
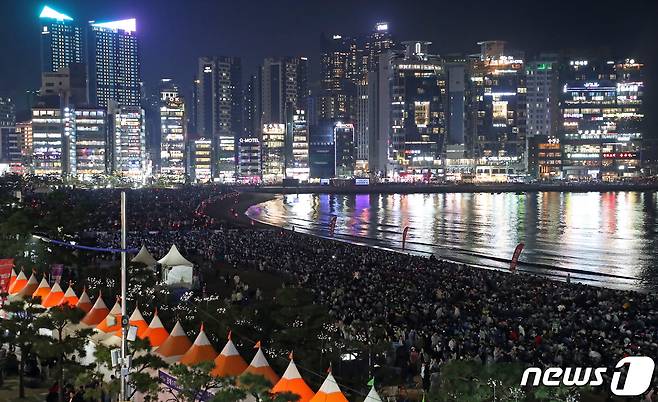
column 295, row 30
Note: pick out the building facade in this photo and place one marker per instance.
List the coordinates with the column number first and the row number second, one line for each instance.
column 113, row 63
column 128, row 143
column 601, row 107
column 218, row 109
column 297, row 133
column 61, row 41
column 201, row 162
column 249, row 160
column 89, row 158
column 283, row 88
column 172, row 134
column 273, row 152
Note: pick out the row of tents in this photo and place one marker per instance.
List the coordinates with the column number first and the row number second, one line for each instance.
column 175, row 346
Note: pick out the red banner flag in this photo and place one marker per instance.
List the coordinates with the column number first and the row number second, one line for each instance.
column 515, row 256
column 332, row 225
column 6, row 265
column 405, row 232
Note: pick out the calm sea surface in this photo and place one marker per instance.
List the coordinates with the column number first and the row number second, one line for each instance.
column 607, row 239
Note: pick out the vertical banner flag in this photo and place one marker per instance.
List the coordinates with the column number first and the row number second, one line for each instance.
column 56, row 273
column 405, row 232
column 332, row 225
column 6, row 265
column 515, row 256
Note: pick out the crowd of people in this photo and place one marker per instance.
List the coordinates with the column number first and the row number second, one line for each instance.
column 430, row 311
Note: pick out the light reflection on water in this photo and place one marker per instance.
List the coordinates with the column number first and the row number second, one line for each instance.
column 607, row 238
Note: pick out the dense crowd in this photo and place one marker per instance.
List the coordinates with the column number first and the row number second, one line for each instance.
column 431, row 311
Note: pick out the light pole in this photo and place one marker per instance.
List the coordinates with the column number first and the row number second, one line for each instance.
column 124, row 328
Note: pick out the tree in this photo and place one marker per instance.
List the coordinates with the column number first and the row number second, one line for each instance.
column 68, row 343
column 145, row 365
column 21, row 330
column 195, row 382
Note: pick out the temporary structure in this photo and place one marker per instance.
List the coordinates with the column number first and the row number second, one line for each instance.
column 329, row 391
column 293, row 382
column 97, row 313
column 55, row 296
column 373, row 396
column 84, row 303
column 29, row 288
column 70, row 297
column 19, row 283
column 12, row 278
column 156, row 332
column 260, row 366
column 201, row 351
column 229, row 363
column 42, row 290
column 112, row 321
column 137, row 320
column 177, row 269
column 174, row 258
column 175, row 346
column 144, row 257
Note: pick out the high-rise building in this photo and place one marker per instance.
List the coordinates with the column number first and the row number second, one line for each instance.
column 601, row 128
column 499, row 93
column 113, row 63
column 322, row 150
column 249, row 160
column 362, row 126
column 297, row 133
column 51, row 129
column 9, row 147
column 61, row 41
column 345, row 158
column 201, row 165
column 219, row 110
column 411, row 122
column 128, row 142
column 283, row 88
column 273, row 152
column 172, row 133
column 251, row 110
column 542, row 97
column 339, row 71
column 377, row 42
column 24, row 140
column 90, row 142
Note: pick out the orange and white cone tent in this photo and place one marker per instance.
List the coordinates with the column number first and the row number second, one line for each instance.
column 84, row 303
column 42, row 290
column 97, row 313
column 260, row 366
column 70, row 297
column 156, row 332
column 292, row 382
column 136, row 319
column 29, row 288
column 112, row 321
column 329, row 391
column 12, row 278
column 55, row 296
column 175, row 346
column 201, row 351
column 19, row 283
column 229, row 363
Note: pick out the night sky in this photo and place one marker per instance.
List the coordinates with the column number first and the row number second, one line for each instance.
column 174, row 33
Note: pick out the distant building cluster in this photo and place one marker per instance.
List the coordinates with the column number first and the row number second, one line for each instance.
column 383, row 110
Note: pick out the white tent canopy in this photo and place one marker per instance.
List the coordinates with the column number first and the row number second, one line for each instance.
column 174, row 259
column 145, row 257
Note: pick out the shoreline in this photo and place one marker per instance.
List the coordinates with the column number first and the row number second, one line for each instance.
column 406, row 188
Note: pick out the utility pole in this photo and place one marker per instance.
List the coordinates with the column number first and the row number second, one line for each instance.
column 124, row 317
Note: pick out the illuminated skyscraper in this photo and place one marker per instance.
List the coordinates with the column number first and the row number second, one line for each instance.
column 378, row 41
column 408, row 125
column 128, row 143
column 339, row 71
column 218, row 91
column 284, row 87
column 601, row 128
column 499, row 91
column 273, row 152
column 113, row 63
column 297, row 140
column 61, row 41
column 89, row 144
column 172, row 133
